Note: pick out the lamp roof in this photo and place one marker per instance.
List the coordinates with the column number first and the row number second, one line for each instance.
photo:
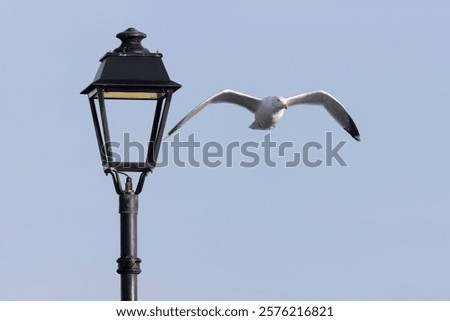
column 132, row 67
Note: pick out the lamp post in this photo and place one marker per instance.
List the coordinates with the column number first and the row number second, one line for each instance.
column 130, row 72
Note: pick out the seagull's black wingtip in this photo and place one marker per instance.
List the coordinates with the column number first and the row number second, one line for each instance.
column 354, row 133
column 353, row 130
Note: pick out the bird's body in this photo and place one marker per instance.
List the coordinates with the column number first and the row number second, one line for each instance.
column 269, row 111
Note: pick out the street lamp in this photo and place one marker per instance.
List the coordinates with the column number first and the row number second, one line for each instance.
column 130, row 72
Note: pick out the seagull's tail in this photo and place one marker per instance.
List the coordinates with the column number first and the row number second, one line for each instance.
column 255, row 125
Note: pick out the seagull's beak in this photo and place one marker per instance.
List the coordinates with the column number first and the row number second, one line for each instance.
column 285, row 106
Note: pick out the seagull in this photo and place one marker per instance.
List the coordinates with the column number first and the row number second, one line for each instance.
column 269, row 111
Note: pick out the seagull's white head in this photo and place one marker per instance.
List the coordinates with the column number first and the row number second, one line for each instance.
column 279, row 102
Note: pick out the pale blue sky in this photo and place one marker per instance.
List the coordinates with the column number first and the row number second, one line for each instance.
column 375, row 230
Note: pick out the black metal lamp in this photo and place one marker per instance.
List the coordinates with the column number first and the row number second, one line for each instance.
column 130, row 72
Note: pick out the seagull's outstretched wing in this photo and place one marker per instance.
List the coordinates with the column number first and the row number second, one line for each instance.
column 224, row 96
column 331, row 104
